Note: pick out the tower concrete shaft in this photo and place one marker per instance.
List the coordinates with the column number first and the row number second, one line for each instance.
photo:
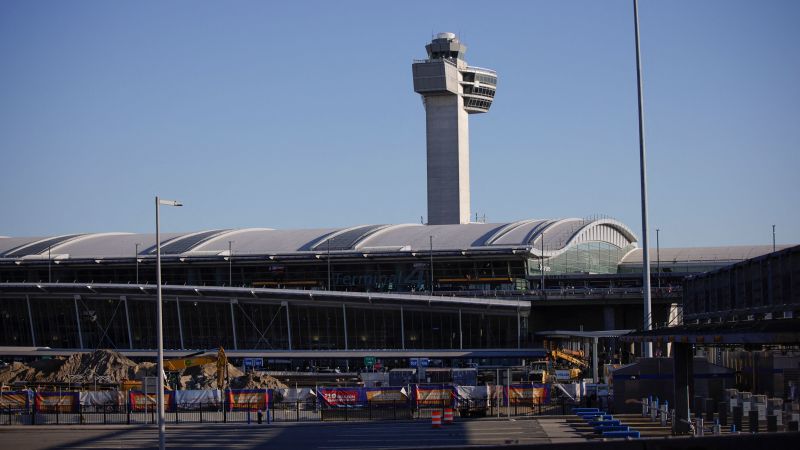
column 451, row 90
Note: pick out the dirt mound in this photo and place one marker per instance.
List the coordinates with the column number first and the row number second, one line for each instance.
column 100, row 363
column 116, row 367
column 256, row 381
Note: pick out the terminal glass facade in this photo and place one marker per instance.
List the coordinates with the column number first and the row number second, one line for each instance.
column 122, row 323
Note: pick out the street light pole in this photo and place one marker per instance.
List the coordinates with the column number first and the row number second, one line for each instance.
column 136, row 257
column 647, row 322
column 49, row 265
column 162, row 420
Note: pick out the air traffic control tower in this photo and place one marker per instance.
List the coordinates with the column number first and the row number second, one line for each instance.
column 450, row 91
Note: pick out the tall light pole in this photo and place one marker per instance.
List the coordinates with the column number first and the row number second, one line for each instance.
column 647, row 323
column 162, row 420
column 230, row 263
column 136, row 257
column 49, row 265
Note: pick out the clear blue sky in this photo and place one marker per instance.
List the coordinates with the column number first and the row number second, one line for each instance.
column 303, row 115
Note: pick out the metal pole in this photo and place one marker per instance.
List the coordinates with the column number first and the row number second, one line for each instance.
column 127, row 321
column 344, row 318
column 30, row 320
column 162, row 427
column 658, row 260
column 49, row 265
column 402, row 329
column 773, row 238
column 329, row 264
column 230, row 263
column 288, row 324
column 180, row 321
column 233, row 323
column 595, row 376
column 460, row 332
column 542, row 259
column 78, row 321
column 136, row 257
column 647, row 347
column 431, row 238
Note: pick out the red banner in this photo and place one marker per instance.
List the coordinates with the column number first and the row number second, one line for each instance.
column 247, row 399
column 51, row 402
column 528, row 394
column 138, row 401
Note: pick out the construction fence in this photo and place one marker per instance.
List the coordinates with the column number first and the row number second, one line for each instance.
column 31, row 407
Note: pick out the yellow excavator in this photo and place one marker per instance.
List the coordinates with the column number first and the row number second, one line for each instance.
column 200, row 359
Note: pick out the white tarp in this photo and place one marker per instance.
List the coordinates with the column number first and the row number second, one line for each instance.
column 292, row 395
column 478, row 394
column 101, row 398
column 198, row 397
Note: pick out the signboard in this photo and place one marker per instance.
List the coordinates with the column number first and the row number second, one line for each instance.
column 340, row 397
column 253, row 364
column 413, row 362
column 369, row 361
column 562, row 375
column 423, row 362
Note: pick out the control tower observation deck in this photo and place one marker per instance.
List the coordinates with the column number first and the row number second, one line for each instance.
column 450, row 91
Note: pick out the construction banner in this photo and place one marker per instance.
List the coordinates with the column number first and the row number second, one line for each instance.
column 51, row 402
column 101, row 398
column 527, row 394
column 247, row 399
column 15, row 400
column 341, row 397
column 386, row 396
column 434, row 395
column 138, row 401
column 194, row 399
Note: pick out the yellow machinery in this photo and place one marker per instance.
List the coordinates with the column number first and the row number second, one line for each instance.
column 558, row 354
column 177, row 365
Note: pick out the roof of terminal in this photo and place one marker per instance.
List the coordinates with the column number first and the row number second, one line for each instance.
column 525, row 236
column 729, row 254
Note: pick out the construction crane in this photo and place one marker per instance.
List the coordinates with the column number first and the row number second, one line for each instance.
column 200, row 359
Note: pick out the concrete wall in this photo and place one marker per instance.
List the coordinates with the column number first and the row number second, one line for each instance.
column 448, row 159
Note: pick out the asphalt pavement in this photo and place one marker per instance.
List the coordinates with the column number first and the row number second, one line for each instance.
column 294, row 436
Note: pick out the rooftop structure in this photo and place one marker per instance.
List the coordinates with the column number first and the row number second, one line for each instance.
column 450, row 91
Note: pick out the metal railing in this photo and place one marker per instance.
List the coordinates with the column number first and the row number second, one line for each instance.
column 299, row 411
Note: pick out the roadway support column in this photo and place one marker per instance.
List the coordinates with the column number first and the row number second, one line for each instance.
column 78, row 320
column 682, row 358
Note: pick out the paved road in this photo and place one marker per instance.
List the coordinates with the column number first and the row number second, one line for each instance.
column 300, row 436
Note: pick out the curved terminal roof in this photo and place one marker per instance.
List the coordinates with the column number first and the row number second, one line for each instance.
column 474, row 238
